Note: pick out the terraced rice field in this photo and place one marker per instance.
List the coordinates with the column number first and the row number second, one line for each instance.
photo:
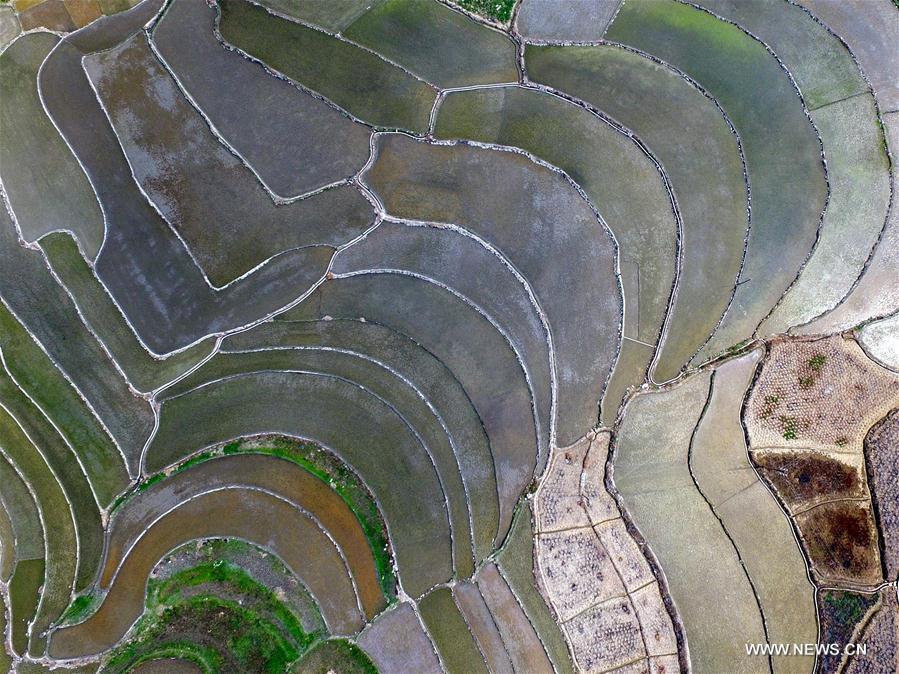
column 406, row 336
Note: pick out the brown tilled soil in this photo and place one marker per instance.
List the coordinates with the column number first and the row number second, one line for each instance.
column 842, row 544
column 801, row 477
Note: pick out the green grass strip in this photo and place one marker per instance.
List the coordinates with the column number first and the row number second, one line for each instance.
column 220, row 572
column 244, row 640
column 326, row 467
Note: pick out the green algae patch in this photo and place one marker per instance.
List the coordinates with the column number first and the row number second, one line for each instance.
column 436, row 43
column 498, row 10
column 24, row 594
column 81, row 608
column 358, row 81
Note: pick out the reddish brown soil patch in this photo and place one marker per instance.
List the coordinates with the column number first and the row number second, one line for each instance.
column 50, row 14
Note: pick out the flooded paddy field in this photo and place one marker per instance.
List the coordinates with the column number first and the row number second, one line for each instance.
column 448, row 336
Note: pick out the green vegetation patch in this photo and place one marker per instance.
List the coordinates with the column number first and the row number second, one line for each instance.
column 789, row 426
column 229, row 579
column 81, row 607
column 335, row 655
column 219, row 617
column 810, row 373
column 230, row 637
column 840, row 613
column 816, row 362
column 255, row 632
column 846, row 608
column 261, row 565
column 498, row 10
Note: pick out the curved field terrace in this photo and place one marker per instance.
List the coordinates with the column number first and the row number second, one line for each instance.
column 451, row 336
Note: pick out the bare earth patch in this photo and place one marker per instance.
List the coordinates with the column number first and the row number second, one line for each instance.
column 592, row 572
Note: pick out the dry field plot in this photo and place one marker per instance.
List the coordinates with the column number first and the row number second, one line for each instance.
column 402, row 336
column 807, row 418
